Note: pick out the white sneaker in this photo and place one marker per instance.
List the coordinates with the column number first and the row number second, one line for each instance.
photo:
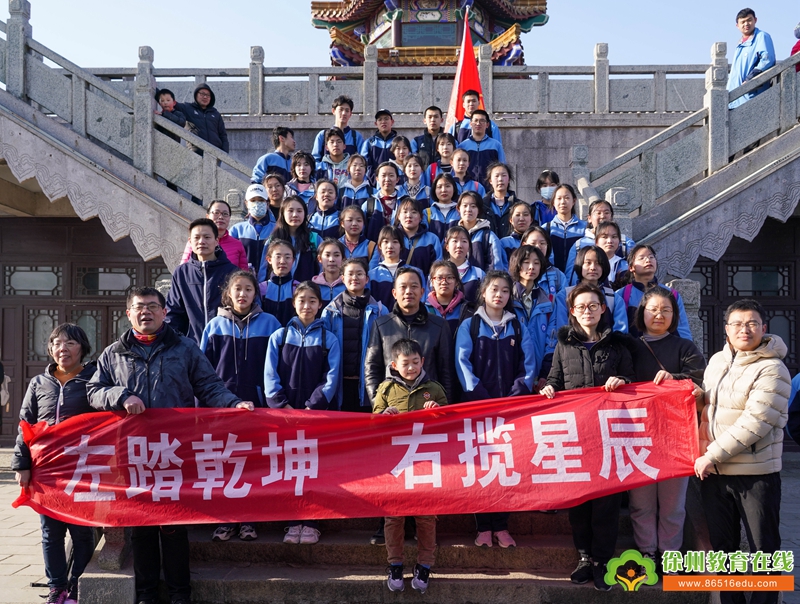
column 309, row 535
column 293, row 534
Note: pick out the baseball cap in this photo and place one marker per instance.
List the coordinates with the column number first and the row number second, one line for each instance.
column 382, row 112
column 254, row 191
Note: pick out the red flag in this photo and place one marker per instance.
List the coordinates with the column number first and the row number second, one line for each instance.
column 466, row 78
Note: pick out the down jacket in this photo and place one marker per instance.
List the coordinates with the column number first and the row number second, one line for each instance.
column 746, row 408
column 46, row 400
column 575, row 366
column 206, row 123
column 174, row 374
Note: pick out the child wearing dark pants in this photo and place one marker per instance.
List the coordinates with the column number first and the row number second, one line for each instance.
column 148, row 560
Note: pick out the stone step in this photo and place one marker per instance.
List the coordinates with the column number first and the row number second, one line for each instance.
column 551, row 553
column 520, row 523
column 248, row 583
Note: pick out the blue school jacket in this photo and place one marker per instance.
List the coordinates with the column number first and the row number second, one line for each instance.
column 547, row 314
column 541, row 213
column 237, row 348
column 486, row 251
column 509, row 243
column 377, row 150
column 272, row 163
column 365, row 248
column 471, row 282
column 563, row 236
column 470, row 185
column 325, row 223
column 254, row 235
column 305, row 264
column 349, row 194
column 422, row 250
column 276, row 297
column 441, row 217
column 373, row 210
column 304, row 372
column 498, row 216
column 328, row 290
column 627, row 299
column 463, row 129
column 352, row 141
column 332, row 319
column 588, row 239
column 306, row 196
column 497, row 365
column 481, row 154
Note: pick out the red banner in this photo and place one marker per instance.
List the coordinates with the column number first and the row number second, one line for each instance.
column 186, row 466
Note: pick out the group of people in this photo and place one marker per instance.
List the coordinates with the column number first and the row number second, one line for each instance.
column 388, row 275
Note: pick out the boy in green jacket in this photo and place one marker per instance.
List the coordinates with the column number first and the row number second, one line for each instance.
column 408, row 390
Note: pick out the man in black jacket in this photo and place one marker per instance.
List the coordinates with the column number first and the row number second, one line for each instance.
column 204, row 120
column 425, row 144
column 152, row 366
column 409, row 319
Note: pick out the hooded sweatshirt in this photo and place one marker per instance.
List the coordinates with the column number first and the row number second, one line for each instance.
column 206, row 123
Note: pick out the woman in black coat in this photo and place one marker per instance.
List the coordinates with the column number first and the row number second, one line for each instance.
column 658, row 510
column 590, row 354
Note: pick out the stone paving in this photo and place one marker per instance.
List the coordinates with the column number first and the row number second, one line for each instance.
column 21, row 552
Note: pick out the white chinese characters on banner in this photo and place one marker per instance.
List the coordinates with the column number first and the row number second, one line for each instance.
column 166, row 480
column 494, row 450
column 409, row 464
column 301, row 460
column 211, row 459
column 83, row 451
column 551, row 432
column 617, row 446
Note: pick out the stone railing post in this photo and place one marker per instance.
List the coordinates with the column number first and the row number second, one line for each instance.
column 579, row 163
column 143, row 112
column 621, row 202
column 427, row 92
column 716, row 101
column 660, row 89
column 486, row 74
column 601, row 94
column 788, row 99
column 690, row 292
column 238, row 211
column 313, row 94
column 370, row 81
column 78, row 105
column 18, row 29
column 543, row 81
column 256, row 88
column 209, row 180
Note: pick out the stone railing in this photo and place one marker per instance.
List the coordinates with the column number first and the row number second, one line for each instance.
column 123, row 123
column 697, row 146
column 260, row 90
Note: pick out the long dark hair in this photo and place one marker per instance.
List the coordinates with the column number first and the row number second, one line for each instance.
column 302, row 236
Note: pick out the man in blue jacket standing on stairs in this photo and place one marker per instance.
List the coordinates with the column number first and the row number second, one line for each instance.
column 754, row 55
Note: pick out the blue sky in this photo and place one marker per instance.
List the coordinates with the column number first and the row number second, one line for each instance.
column 205, row 33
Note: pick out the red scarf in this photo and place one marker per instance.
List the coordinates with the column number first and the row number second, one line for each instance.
column 146, row 339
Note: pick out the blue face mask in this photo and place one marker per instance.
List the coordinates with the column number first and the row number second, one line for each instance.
column 257, row 209
column 547, row 192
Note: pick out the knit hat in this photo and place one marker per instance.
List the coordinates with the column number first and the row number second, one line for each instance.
column 797, row 31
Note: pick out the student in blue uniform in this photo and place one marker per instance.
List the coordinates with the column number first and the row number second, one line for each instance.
column 500, row 198
column 401, row 149
column 486, row 253
column 483, row 150
column 255, row 229
column 423, row 247
column 425, row 144
column 342, row 109
column 539, row 238
column 446, row 145
column 470, row 100
column 543, row 210
column 520, row 219
column 458, row 250
column 414, row 186
column 381, row 208
column 390, row 247
column 304, row 169
column 443, row 213
column 461, row 174
column 330, row 255
column 302, row 372
column 333, row 165
column 292, row 226
column 356, row 189
column 566, row 228
column 351, row 224
column 278, row 161
column 235, row 341
column 377, row 149
column 323, row 211
column 276, row 292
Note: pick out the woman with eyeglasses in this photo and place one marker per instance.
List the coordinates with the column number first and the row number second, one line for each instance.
column 658, row 510
column 588, row 354
column 220, row 212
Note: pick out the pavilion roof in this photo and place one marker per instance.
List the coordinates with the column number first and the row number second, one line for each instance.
column 353, row 10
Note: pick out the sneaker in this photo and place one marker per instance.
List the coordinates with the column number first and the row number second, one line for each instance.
column 642, row 568
column 293, row 534
column 484, row 539
column 247, row 532
column 309, row 535
column 421, row 577
column 378, row 538
column 395, row 580
column 57, row 595
column 583, row 572
column 504, row 539
column 599, row 576
column 72, row 595
column 223, row 532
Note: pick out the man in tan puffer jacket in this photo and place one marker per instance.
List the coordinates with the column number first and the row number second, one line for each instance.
column 747, row 390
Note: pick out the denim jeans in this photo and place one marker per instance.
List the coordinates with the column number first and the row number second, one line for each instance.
column 55, row 557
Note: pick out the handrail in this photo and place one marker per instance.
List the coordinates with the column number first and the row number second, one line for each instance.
column 650, row 143
column 765, row 77
column 3, row 26
column 198, row 142
column 82, row 73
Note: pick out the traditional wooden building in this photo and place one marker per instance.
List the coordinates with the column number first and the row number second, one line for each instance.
column 425, row 32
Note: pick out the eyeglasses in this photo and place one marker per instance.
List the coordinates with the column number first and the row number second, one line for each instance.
column 664, row 312
column 592, row 307
column 479, row 122
column 203, row 93
column 749, row 326
column 219, row 214
column 152, row 307
column 448, row 279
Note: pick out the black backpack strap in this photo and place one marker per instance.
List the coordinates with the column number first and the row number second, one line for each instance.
column 474, row 328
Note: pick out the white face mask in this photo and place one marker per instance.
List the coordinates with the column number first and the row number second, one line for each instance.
column 547, row 192
column 257, row 209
